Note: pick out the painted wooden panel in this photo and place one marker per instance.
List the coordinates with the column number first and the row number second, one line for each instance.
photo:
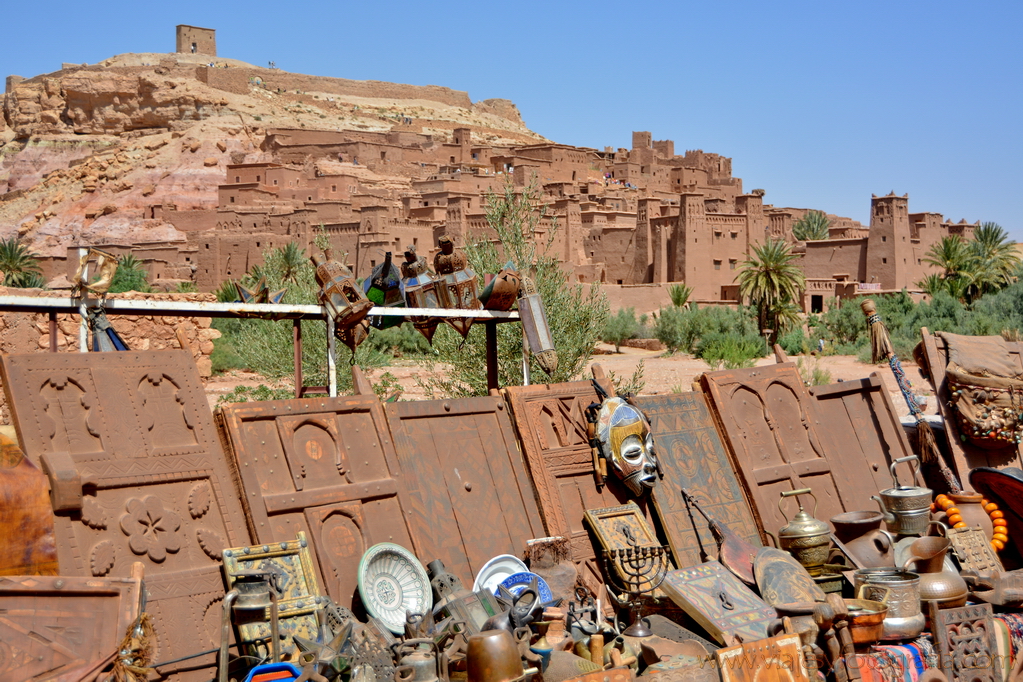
column 693, row 457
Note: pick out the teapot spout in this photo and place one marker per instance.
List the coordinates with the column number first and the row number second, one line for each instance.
column 887, row 515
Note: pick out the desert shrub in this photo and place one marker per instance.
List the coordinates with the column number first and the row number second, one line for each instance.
column 399, row 341
column 795, row 342
column 679, row 294
column 620, row 327
column 681, row 329
column 731, row 350
column 634, row 385
column 244, row 394
column 812, row 373
column 129, row 276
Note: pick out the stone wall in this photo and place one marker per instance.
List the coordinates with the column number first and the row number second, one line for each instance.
column 30, row 332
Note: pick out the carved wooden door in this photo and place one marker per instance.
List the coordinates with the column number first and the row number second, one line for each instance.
column 137, row 474
column 773, row 430
column 325, row 466
column 863, row 436
column 551, row 423
column 470, row 494
column 692, row 456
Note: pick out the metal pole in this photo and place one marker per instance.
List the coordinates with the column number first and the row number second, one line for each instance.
column 331, row 358
column 492, row 381
column 83, row 323
column 525, row 359
column 53, row 331
column 297, row 344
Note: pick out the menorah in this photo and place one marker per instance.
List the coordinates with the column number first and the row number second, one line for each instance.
column 637, row 571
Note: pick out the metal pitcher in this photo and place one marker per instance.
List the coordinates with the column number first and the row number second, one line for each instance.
column 900, row 591
column 906, row 509
column 804, row 537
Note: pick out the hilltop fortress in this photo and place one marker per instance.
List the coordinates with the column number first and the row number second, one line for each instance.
column 199, row 164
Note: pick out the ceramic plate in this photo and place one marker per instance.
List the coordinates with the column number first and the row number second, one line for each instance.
column 391, row 582
column 519, row 581
column 495, row 571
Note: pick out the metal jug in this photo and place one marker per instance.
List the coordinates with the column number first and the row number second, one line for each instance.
column 804, row 537
column 900, row 591
column 419, row 664
column 906, row 509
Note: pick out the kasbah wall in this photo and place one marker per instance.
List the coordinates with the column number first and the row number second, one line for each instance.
column 625, row 217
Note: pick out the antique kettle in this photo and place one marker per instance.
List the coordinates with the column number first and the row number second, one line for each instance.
column 804, row 537
column 421, row 662
column 906, row 508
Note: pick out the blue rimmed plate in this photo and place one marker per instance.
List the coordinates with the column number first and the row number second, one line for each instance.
column 497, row 570
column 519, row 581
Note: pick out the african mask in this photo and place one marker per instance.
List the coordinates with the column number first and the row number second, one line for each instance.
column 625, row 439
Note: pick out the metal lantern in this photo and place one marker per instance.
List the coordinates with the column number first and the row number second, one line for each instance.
column 383, row 288
column 502, row 291
column 420, row 291
column 339, row 292
column 457, row 288
column 535, row 327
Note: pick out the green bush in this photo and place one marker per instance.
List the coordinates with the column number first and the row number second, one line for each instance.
column 681, row 329
column 129, row 276
column 620, row 327
column 399, row 341
column 795, row 342
column 731, row 350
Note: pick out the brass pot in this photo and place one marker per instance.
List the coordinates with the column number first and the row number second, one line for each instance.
column 804, row 537
column 936, row 584
column 866, row 620
column 493, row 656
column 900, row 591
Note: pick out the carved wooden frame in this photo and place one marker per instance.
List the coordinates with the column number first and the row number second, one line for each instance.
column 965, row 640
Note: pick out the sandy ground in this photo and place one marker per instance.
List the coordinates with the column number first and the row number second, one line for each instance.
column 663, row 373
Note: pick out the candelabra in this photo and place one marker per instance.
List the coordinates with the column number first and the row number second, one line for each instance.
column 637, row 571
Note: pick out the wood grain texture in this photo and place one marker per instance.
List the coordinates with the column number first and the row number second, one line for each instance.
column 774, row 659
column 965, row 455
column 774, row 432
column 52, row 626
column 693, row 457
column 470, row 495
column 322, row 466
column 129, row 445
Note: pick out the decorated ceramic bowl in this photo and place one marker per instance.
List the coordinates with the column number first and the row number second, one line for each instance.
column 392, row 582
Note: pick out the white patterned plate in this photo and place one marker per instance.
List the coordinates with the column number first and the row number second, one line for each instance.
column 496, row 571
column 391, row 582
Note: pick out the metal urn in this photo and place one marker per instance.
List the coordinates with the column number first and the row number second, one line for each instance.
column 906, row 508
column 804, row 537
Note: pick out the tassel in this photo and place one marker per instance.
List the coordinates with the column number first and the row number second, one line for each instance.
column 880, row 343
column 928, row 447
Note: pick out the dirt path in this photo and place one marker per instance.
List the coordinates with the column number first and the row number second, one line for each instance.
column 662, row 374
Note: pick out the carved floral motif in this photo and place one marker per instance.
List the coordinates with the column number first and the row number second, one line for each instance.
column 199, row 499
column 150, row 528
column 102, row 559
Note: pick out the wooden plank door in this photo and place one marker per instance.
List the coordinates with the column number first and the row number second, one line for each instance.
column 863, row 437
column 692, row 456
column 773, row 429
column 137, row 474
column 470, row 494
column 325, row 466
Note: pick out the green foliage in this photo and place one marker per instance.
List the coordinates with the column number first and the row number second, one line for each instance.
column 292, row 259
column 224, row 356
column 681, row 329
column 620, row 327
column 970, row 270
column 576, row 315
column 731, row 350
column 771, row 280
column 244, row 394
column 186, row 288
column 129, row 276
column 20, row 266
column 812, row 226
column 795, row 342
column 227, row 292
column 633, row 385
column 398, row 341
column 812, row 373
column 266, row 346
column 679, row 294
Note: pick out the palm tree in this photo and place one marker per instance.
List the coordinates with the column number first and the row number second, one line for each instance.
column 19, row 265
column 995, row 253
column 292, row 261
column 770, row 279
column 812, row 226
column 932, row 284
column 951, row 255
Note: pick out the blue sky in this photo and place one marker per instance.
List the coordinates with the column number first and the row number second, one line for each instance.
column 819, row 103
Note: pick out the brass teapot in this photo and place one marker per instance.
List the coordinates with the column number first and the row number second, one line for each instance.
column 804, row 537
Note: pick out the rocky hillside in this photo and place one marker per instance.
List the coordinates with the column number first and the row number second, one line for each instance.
column 87, row 150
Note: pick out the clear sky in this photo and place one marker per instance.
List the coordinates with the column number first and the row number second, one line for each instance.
column 819, row 103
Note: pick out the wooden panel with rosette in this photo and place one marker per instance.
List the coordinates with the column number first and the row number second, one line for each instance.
column 137, row 473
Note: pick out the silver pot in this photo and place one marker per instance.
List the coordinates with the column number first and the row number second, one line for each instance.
column 900, row 591
column 905, row 509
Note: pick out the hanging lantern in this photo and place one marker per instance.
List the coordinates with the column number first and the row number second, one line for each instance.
column 420, row 291
column 353, row 336
column 457, row 285
column 383, row 288
column 502, row 291
column 339, row 292
column 537, row 331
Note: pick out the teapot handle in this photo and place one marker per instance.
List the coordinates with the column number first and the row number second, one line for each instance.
column 900, row 460
column 881, row 533
column 792, row 493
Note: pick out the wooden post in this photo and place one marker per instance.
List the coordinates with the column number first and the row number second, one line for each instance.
column 297, row 343
column 53, row 331
column 491, row 328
